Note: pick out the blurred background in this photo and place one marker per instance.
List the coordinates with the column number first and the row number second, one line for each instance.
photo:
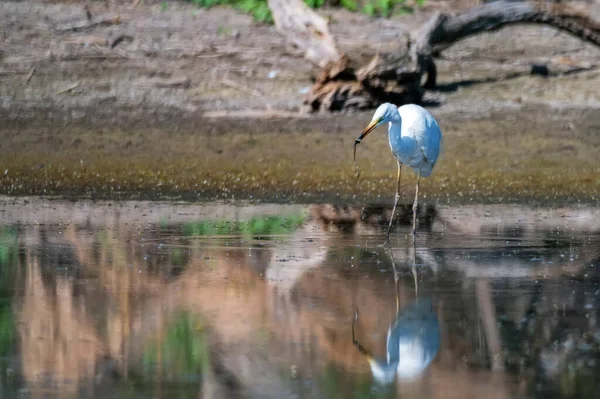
column 180, row 216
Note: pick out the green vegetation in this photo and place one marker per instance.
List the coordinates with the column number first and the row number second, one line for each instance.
column 176, row 362
column 386, row 8
column 259, row 9
column 335, row 385
column 256, row 226
column 184, row 350
column 8, row 246
column 8, row 260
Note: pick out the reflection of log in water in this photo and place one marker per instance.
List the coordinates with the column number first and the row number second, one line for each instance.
column 476, row 225
column 472, row 220
column 130, row 296
column 365, row 218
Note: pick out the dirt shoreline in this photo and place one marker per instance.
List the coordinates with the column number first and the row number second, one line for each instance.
column 538, row 158
column 97, row 122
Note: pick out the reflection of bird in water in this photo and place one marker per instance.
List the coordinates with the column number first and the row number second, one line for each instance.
column 415, row 139
column 412, row 340
column 412, row 343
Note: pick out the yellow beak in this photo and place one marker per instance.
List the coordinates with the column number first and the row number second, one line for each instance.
column 368, row 129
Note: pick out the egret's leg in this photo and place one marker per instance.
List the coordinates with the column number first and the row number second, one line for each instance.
column 414, row 266
column 416, row 203
column 396, row 198
column 396, row 282
column 414, row 272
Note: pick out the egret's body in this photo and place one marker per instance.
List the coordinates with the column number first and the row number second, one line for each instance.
column 415, row 140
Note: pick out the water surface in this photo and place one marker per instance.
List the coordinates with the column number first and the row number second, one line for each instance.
column 143, row 299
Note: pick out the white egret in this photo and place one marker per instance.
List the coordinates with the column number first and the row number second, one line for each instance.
column 415, row 140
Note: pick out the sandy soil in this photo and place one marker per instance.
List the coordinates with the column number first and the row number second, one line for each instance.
column 203, row 103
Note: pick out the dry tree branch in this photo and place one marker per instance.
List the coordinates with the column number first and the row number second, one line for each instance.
column 397, row 77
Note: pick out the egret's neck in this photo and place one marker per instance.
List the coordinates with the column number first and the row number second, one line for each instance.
column 395, row 116
column 394, row 133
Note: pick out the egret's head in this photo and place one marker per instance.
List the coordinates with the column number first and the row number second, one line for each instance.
column 384, row 113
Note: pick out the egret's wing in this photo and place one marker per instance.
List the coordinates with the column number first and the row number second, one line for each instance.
column 419, row 123
column 430, row 138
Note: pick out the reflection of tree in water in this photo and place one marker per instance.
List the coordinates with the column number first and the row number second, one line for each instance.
column 558, row 340
column 58, row 342
column 106, row 302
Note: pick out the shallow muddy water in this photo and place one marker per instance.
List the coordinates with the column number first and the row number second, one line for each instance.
column 143, row 299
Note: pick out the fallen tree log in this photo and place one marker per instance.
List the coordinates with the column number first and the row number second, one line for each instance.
column 305, row 29
column 397, row 77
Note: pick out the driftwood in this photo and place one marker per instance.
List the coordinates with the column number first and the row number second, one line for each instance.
column 397, row 78
column 240, row 87
column 182, row 82
column 69, row 88
column 305, row 29
column 8, row 72
column 90, row 24
column 30, row 75
column 255, row 114
column 120, row 38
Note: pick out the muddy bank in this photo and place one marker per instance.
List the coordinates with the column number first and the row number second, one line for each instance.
column 543, row 155
column 199, row 104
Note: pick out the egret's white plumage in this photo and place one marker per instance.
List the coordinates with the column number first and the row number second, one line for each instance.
column 415, row 140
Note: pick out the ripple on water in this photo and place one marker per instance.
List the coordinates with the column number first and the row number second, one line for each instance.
column 263, row 300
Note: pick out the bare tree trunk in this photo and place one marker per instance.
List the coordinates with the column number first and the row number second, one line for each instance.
column 396, row 78
column 305, row 29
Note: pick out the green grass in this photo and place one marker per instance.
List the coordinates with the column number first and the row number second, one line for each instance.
column 185, row 350
column 386, row 8
column 8, row 261
column 258, row 9
column 260, row 12
column 334, row 385
column 256, row 226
